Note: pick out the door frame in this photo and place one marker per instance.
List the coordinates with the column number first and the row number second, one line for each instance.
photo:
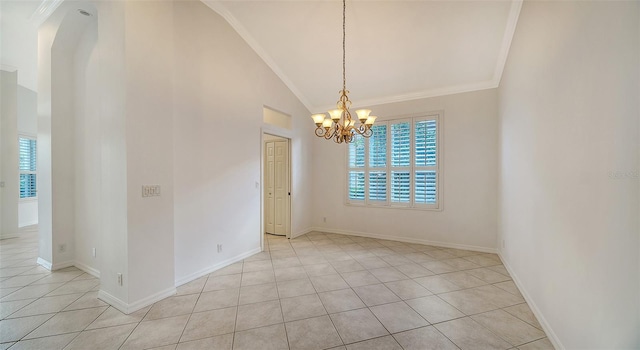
column 287, row 134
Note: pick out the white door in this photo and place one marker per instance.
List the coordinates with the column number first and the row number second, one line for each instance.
column 281, row 210
column 269, row 188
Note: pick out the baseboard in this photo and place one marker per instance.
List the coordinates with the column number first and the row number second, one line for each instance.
column 140, row 304
column 44, row 263
column 62, row 265
column 302, row 232
column 218, row 266
column 88, row 269
column 551, row 335
column 408, row 240
column 113, row 301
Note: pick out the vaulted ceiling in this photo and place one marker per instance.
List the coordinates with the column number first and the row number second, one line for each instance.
column 396, row 50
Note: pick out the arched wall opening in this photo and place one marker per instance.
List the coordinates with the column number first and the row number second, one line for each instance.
column 69, row 138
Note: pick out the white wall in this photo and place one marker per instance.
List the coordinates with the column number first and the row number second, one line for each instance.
column 569, row 123
column 87, row 160
column 221, row 86
column 9, row 173
column 469, row 175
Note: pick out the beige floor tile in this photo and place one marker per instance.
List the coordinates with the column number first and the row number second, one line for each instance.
column 508, row 327
column 498, row 296
column 258, row 277
column 407, row 289
column 398, row 317
column 437, row 267
column 388, row 274
column 15, row 329
column 357, row 325
column 232, row 269
column 110, row 338
column 9, row 307
column 258, row 315
column 319, row 269
column 290, row 273
column 172, row 306
column 67, row 322
column 468, row 301
column 305, row 306
column 509, row 286
column 222, row 282
column 88, row 300
column 19, row 281
column 416, row 339
column 156, row 333
column 484, row 260
column 56, row 342
column 434, row 309
column 382, row 343
column 255, row 294
column 313, row 260
column 370, row 262
column 218, row 299
column 259, row 256
column 395, row 259
column 468, row 334
column 32, row 291
column 209, row 324
column 56, row 277
column 437, row 284
column 500, row 269
column 71, row 287
column 523, row 312
column 349, row 265
column 295, row 288
column 113, row 317
column 192, row 287
column 341, row 300
column 488, row 275
column 376, row 294
column 47, row 305
column 260, row 265
column 266, row 338
column 542, row 344
column 221, row 342
column 360, row 278
column 312, row 333
column 463, row 279
column 413, row 270
column 328, row 283
column 285, row 259
column 6, row 291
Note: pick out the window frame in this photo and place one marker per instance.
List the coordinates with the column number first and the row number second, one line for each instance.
column 412, row 169
column 20, row 171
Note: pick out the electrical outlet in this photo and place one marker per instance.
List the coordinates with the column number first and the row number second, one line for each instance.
column 62, row 248
column 93, row 252
column 119, row 278
column 503, row 243
column 324, row 219
column 150, row 190
column 219, row 248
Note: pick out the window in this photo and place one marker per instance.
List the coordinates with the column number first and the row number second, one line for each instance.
column 27, row 165
column 397, row 166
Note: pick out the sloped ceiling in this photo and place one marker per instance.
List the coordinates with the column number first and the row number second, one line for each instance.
column 396, row 50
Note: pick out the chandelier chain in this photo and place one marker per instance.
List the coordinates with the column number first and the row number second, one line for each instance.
column 344, row 35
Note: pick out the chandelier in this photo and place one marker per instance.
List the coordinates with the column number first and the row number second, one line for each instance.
column 340, row 127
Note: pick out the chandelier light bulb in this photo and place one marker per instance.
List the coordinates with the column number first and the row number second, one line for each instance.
column 318, row 119
column 363, row 114
column 335, row 114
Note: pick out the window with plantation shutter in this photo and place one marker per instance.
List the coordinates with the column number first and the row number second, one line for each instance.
column 398, row 165
column 27, row 166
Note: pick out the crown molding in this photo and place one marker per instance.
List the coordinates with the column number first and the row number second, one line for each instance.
column 219, row 8
column 509, row 31
column 512, row 20
column 46, row 8
column 450, row 90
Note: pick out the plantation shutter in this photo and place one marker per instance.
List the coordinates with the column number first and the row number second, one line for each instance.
column 400, row 144
column 356, row 177
column 425, row 176
column 27, row 166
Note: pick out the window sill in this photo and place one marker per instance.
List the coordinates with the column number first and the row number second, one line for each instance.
column 27, row 200
column 384, row 206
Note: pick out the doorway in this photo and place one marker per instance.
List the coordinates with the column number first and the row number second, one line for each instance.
column 277, row 185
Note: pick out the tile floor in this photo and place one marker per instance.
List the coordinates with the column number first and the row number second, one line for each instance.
column 318, row 291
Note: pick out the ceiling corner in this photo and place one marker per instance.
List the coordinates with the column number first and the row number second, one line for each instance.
column 219, row 8
column 510, row 29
